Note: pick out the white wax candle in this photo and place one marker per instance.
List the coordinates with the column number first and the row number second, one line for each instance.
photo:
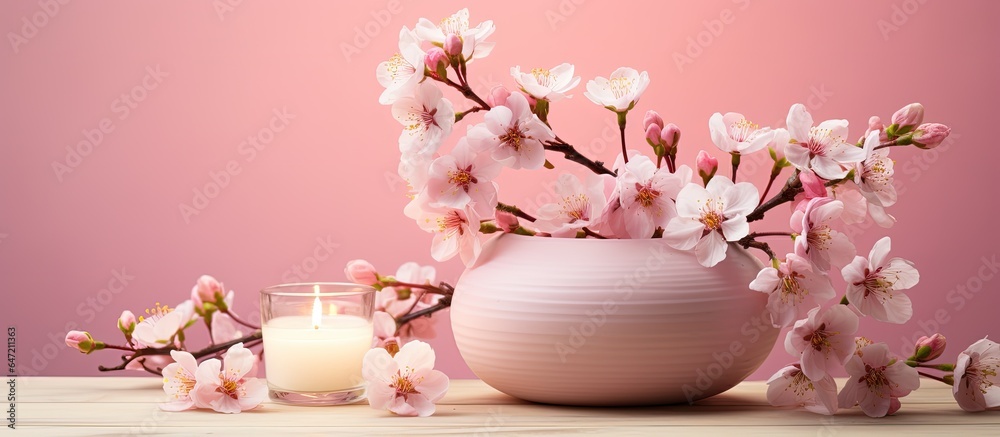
column 303, row 358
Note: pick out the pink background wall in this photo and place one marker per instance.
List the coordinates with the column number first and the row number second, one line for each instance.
column 323, row 191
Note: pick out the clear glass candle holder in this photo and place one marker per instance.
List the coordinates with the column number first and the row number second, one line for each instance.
column 315, row 338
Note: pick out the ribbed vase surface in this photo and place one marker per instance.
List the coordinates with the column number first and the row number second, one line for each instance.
column 609, row 322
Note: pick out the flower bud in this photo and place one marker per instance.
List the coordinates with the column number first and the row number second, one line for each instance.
column 360, row 271
column 874, row 124
column 507, row 221
column 670, row 136
column 907, row 118
column 498, row 96
column 929, row 348
column 653, row 135
column 453, row 45
column 652, row 118
column 206, row 290
column 930, row 135
column 83, row 342
column 436, row 60
column 707, row 166
column 813, row 185
column 126, row 323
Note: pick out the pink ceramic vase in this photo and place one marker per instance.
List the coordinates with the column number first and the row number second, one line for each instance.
column 609, row 322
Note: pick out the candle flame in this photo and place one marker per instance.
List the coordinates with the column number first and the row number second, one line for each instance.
column 317, row 314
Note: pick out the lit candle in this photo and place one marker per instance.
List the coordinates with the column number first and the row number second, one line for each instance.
column 316, row 353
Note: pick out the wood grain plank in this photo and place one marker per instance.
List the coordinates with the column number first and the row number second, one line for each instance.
column 115, row 405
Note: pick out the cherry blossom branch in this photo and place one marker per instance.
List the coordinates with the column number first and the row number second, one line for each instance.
column 571, row 154
column 889, row 144
column 444, row 289
column 736, row 164
column 753, row 235
column 749, row 242
column 249, row 340
column 464, row 89
column 589, row 233
column 460, row 115
column 515, row 210
column 445, row 302
column 621, row 127
column 770, row 182
column 792, row 188
column 943, row 379
column 237, row 319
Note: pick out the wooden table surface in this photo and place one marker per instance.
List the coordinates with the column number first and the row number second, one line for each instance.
column 65, row 406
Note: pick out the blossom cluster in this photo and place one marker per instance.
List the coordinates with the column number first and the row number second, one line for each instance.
column 833, row 180
column 400, row 369
column 155, row 342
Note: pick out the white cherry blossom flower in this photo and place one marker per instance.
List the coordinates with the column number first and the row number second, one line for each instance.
column 620, row 92
column 822, row 148
column 544, row 83
column 427, row 118
column 874, row 285
column 709, row 217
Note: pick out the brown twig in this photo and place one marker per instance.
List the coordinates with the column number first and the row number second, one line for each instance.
column 445, row 302
column 515, row 210
column 247, row 341
column 571, row 154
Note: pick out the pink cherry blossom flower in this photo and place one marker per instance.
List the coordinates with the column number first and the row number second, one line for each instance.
column 646, row 194
column 821, row 148
column 977, row 386
column 619, row 92
column 498, row 96
column 512, row 134
column 464, row 178
column 229, row 386
column 578, row 206
column 163, row 324
column 384, row 331
column 874, row 175
column 874, row 284
column 400, row 299
column 362, row 272
column 423, row 327
column 812, row 185
column 401, row 74
column 816, row 240
column 733, row 134
column 857, row 208
column 793, row 289
column 405, row 384
column 709, row 217
column 823, row 340
column 427, row 118
column 547, row 84
column 877, row 381
column 414, row 169
column 791, row 387
column 179, row 380
column 456, row 230
column 474, row 45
